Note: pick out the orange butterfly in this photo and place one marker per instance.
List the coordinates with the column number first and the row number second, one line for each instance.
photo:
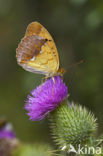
column 37, row 52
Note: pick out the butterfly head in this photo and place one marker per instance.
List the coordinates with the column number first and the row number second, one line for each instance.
column 61, row 71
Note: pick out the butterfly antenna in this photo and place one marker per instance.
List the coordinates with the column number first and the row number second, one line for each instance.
column 72, row 73
column 80, row 62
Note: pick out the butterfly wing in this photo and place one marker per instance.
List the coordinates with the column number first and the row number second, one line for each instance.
column 37, row 51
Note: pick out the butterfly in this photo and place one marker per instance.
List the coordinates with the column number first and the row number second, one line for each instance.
column 37, row 52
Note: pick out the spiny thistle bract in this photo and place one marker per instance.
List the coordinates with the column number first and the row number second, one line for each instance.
column 71, row 124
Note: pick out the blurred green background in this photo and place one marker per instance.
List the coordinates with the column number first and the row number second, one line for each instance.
column 77, row 28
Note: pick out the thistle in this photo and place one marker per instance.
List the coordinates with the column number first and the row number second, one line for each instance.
column 7, row 132
column 8, row 141
column 71, row 124
column 45, row 98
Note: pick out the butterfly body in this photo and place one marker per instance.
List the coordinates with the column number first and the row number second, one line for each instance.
column 37, row 51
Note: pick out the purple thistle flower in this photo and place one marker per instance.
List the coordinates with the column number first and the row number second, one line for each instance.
column 6, row 132
column 8, row 141
column 46, row 98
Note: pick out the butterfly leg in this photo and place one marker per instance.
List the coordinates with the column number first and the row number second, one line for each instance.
column 53, row 80
column 53, row 87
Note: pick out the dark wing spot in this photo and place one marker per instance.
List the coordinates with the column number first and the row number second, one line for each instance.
column 47, row 40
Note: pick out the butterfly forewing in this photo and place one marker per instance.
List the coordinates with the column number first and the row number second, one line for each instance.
column 37, row 51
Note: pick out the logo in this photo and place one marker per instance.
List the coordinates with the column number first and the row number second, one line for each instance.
column 83, row 150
